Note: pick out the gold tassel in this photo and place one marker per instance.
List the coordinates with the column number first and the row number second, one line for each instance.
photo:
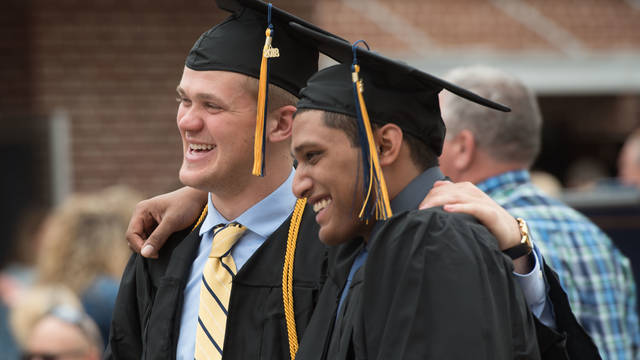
column 383, row 206
column 258, row 147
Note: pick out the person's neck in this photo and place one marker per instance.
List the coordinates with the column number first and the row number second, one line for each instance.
column 485, row 167
column 233, row 203
column 398, row 175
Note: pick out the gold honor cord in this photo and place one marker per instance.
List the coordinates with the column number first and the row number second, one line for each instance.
column 383, row 206
column 287, row 276
column 202, row 216
column 287, row 272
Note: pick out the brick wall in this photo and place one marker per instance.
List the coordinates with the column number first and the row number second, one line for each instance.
column 113, row 67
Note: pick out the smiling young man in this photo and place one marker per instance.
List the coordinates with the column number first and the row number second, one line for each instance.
column 218, row 286
column 422, row 284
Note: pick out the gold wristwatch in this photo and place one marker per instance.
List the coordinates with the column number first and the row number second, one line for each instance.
column 525, row 246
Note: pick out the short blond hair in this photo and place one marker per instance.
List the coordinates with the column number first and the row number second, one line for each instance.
column 278, row 97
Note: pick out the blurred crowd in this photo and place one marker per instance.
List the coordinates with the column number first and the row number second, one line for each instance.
column 588, row 174
column 59, row 283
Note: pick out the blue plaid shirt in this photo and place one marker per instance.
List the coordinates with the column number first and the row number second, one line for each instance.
column 596, row 276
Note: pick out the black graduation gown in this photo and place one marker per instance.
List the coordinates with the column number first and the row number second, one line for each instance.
column 146, row 319
column 434, row 286
column 314, row 345
column 570, row 341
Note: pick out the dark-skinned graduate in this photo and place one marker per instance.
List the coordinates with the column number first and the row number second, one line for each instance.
column 420, row 284
column 227, row 284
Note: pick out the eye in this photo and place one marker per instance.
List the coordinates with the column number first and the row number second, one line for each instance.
column 212, row 106
column 312, row 157
column 183, row 100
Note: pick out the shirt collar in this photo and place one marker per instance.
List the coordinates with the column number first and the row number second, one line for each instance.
column 262, row 218
column 504, row 180
column 411, row 196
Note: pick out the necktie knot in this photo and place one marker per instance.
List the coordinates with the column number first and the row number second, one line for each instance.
column 224, row 237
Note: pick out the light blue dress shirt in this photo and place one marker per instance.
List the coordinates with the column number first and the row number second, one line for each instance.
column 261, row 220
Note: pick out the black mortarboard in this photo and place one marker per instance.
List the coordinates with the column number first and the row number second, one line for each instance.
column 392, row 91
column 256, row 40
column 236, row 45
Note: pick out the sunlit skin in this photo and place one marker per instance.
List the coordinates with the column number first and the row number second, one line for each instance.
column 216, row 119
column 56, row 337
column 327, row 176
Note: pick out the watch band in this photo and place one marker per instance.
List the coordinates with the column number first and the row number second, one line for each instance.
column 525, row 246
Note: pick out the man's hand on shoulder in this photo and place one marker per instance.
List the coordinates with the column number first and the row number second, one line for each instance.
column 155, row 219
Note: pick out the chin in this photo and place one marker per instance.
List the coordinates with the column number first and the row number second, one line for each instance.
column 327, row 238
column 333, row 238
column 191, row 178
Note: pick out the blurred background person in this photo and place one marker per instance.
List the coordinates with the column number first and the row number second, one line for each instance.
column 629, row 161
column 585, row 174
column 17, row 258
column 50, row 324
column 494, row 151
column 83, row 247
column 547, row 183
column 7, row 342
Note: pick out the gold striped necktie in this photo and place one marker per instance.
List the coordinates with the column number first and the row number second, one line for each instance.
column 215, row 290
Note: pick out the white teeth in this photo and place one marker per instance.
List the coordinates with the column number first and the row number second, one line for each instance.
column 321, row 204
column 201, row 146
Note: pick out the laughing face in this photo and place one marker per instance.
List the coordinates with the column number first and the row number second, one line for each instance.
column 327, row 174
column 216, row 119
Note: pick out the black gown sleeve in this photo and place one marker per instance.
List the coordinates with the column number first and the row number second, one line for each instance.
column 569, row 340
column 125, row 334
column 436, row 286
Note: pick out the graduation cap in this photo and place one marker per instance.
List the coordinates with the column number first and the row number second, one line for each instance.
column 256, row 40
column 371, row 87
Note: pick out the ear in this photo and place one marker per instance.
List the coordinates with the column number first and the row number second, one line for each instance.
column 280, row 123
column 465, row 149
column 388, row 142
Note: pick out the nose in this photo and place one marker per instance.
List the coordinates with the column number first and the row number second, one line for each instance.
column 302, row 184
column 189, row 119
